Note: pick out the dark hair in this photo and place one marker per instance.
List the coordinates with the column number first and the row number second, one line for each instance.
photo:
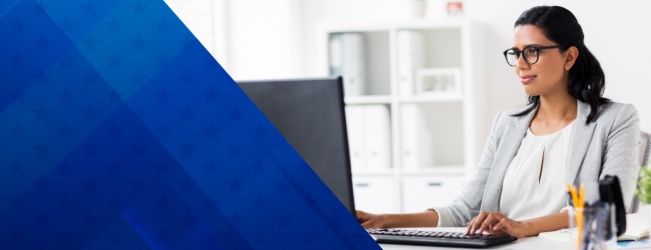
column 587, row 81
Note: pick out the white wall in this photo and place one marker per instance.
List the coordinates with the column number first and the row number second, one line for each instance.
column 275, row 39
column 199, row 16
column 266, row 39
column 251, row 39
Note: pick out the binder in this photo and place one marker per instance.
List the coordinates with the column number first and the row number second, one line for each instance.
column 347, row 58
column 377, row 137
column 411, row 57
column 356, row 142
column 416, row 139
column 335, row 54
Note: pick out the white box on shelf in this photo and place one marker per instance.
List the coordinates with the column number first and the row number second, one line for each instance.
column 347, row 59
column 416, row 139
column 377, row 136
column 374, row 194
column 356, row 142
column 422, row 192
column 411, row 57
column 438, row 81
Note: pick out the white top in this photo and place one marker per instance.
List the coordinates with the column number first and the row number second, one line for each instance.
column 526, row 192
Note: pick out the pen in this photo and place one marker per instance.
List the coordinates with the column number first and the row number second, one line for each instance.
column 577, row 200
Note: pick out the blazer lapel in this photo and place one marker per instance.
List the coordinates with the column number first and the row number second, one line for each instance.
column 581, row 137
column 503, row 157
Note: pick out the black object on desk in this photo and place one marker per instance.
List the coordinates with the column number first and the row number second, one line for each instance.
column 309, row 113
column 610, row 192
column 429, row 238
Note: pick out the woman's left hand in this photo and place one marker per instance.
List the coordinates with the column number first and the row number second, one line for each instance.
column 496, row 223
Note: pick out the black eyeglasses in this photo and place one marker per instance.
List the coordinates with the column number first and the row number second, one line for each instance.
column 531, row 54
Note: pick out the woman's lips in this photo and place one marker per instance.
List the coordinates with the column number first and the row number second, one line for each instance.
column 526, row 79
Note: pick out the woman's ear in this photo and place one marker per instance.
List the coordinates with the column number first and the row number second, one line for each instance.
column 571, row 55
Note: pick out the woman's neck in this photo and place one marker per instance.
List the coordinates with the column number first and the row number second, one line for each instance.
column 557, row 107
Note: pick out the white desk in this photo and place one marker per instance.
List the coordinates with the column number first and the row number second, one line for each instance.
column 528, row 243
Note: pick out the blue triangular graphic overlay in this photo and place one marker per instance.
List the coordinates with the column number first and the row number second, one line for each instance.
column 119, row 130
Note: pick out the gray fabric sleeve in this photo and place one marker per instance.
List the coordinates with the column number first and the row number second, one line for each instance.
column 622, row 151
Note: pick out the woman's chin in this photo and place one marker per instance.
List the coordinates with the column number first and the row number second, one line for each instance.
column 532, row 93
column 531, row 90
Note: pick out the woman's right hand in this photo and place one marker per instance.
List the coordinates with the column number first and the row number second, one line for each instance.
column 369, row 220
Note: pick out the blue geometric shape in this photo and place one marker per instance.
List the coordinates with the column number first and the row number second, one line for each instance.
column 66, row 96
column 66, row 25
column 114, row 25
column 90, row 8
column 114, row 238
column 41, row 43
column 119, row 130
column 139, row 185
column 17, row 132
column 41, row 185
column 90, row 43
column 17, row 238
column 66, row 202
column 66, row 61
column 17, row 61
column 163, row 25
column 115, row 60
column 187, row 220
column 17, row 203
column 90, row 220
column 139, row 43
column 90, row 185
column 41, row 220
column 17, row 25
column 41, row 78
column 139, row 8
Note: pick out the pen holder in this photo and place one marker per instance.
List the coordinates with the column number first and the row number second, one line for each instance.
column 593, row 227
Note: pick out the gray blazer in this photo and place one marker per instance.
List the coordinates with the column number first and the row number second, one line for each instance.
column 607, row 146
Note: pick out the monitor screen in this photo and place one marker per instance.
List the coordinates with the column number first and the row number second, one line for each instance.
column 309, row 113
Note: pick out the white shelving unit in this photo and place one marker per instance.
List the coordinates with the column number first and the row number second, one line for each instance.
column 451, row 118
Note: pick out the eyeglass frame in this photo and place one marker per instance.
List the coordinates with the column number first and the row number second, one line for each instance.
column 538, row 49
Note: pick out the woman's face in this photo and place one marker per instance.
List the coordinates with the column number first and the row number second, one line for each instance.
column 545, row 76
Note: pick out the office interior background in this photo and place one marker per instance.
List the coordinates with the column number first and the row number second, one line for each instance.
column 428, row 81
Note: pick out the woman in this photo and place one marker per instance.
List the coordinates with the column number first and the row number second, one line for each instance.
column 568, row 133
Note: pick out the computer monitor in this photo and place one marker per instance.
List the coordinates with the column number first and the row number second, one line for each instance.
column 309, row 113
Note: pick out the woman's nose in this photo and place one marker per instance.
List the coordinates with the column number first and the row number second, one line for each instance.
column 521, row 62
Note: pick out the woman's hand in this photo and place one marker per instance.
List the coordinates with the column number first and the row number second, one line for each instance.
column 369, row 220
column 422, row 219
column 497, row 223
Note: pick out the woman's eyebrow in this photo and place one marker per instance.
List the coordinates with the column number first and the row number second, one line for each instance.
column 533, row 44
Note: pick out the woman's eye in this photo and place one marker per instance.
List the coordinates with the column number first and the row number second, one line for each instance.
column 531, row 51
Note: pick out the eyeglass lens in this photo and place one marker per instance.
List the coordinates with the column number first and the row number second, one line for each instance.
column 530, row 56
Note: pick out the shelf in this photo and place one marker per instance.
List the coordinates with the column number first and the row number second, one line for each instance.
column 373, row 172
column 386, row 99
column 369, row 99
column 443, row 170
column 447, row 117
column 440, row 170
column 430, row 98
column 444, row 23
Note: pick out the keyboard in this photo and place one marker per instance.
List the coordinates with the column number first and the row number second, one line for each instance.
column 429, row 238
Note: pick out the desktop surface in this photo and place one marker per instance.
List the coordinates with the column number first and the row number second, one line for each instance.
column 527, row 243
